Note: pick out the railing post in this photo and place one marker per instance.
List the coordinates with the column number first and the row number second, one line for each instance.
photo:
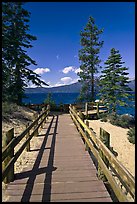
column 75, row 110
column 35, row 117
column 70, row 106
column 98, row 110
column 86, row 146
column 82, row 117
column 27, row 136
column 86, row 109
column 42, row 117
column 105, row 138
column 8, row 137
column 48, row 109
column 91, row 105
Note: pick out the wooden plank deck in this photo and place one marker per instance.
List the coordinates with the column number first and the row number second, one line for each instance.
column 62, row 171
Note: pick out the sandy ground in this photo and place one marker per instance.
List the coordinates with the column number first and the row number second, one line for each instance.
column 119, row 142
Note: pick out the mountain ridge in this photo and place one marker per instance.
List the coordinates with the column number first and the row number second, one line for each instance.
column 71, row 88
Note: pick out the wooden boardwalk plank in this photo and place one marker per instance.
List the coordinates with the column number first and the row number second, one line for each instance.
column 62, row 172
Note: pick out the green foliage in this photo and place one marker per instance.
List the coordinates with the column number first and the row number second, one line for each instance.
column 114, row 90
column 124, row 121
column 114, row 119
column 89, row 58
column 103, row 117
column 8, row 108
column 50, row 101
column 131, row 135
column 128, row 120
column 15, row 61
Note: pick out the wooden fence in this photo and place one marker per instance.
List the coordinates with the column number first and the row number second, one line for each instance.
column 9, row 157
column 91, row 108
column 109, row 168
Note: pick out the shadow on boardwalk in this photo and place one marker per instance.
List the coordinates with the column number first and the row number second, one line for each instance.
column 31, row 175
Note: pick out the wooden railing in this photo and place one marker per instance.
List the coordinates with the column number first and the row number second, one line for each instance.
column 119, row 178
column 88, row 106
column 9, row 157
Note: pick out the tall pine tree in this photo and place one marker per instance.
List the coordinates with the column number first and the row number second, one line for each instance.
column 15, row 41
column 114, row 89
column 89, row 58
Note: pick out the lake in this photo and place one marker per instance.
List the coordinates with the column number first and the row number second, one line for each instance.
column 69, row 98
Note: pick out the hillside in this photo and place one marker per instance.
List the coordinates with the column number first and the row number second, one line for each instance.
column 72, row 88
column 15, row 116
column 132, row 84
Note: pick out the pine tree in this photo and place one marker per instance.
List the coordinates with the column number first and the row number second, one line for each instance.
column 89, row 58
column 15, row 41
column 114, row 89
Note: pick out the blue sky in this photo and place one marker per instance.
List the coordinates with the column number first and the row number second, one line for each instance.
column 57, row 26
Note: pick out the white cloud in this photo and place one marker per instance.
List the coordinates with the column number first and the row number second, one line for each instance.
column 66, row 80
column 77, row 70
column 58, row 84
column 41, row 70
column 66, row 70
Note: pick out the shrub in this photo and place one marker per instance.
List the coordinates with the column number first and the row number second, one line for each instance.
column 103, row 117
column 131, row 135
column 125, row 121
column 113, row 119
column 50, row 101
column 128, row 120
column 8, row 108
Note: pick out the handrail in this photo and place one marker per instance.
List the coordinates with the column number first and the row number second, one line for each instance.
column 95, row 144
column 17, row 139
column 14, row 142
column 106, row 151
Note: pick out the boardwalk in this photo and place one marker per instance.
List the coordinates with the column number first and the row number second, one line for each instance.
column 62, row 171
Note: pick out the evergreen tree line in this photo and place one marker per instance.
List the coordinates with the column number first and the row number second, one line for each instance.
column 16, row 39
column 113, row 81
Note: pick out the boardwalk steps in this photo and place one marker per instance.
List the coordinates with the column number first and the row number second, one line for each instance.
column 62, row 171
